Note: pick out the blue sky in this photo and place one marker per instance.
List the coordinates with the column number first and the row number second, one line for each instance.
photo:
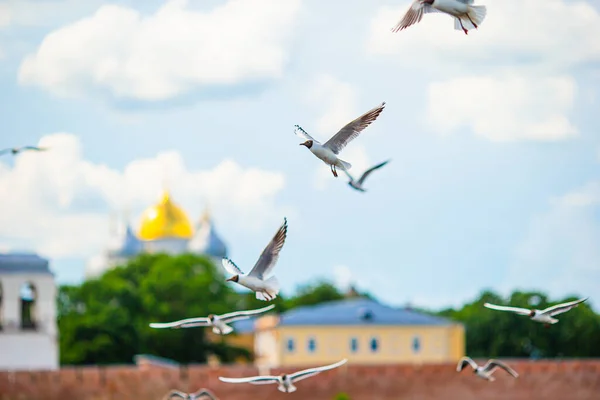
column 494, row 180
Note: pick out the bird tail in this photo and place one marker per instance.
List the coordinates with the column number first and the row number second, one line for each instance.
column 271, row 289
column 225, row 330
column 476, row 14
column 344, row 164
column 291, row 389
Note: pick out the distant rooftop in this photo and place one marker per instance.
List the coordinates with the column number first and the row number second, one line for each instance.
column 29, row 263
column 347, row 312
column 357, row 311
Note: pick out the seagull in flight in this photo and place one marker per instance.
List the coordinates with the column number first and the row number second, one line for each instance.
column 219, row 323
column 487, row 370
column 285, row 381
column 201, row 394
column 328, row 152
column 16, row 150
column 266, row 289
column 543, row 316
column 463, row 11
column 358, row 184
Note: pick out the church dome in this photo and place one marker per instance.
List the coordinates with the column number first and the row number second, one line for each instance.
column 207, row 241
column 165, row 220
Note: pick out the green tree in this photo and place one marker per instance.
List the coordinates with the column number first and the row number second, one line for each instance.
column 491, row 333
column 314, row 293
column 105, row 320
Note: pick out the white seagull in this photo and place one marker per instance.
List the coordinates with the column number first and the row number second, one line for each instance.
column 463, row 11
column 358, row 184
column 266, row 289
column 285, row 381
column 218, row 322
column 201, row 394
column 487, row 370
column 543, row 316
column 16, row 150
column 328, row 151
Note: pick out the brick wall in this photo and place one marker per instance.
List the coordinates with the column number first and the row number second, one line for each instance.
column 543, row 380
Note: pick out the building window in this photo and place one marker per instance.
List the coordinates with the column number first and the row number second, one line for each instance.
column 290, row 345
column 354, row 345
column 312, row 345
column 416, row 344
column 28, row 306
column 374, row 345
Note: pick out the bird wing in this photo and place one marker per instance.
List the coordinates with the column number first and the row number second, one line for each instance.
column 414, row 15
column 203, row 394
column 353, row 129
column 466, row 1
column 244, row 314
column 368, row 172
column 255, row 380
column 175, row 393
column 521, row 311
column 231, row 267
column 464, row 361
column 561, row 308
column 268, row 258
column 303, row 134
column 492, row 364
column 200, row 321
column 33, row 148
column 307, row 373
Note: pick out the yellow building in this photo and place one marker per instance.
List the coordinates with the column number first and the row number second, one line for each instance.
column 359, row 329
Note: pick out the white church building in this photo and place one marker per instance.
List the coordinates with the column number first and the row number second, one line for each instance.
column 28, row 329
column 164, row 228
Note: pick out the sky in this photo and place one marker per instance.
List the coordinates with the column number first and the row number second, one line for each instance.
column 493, row 137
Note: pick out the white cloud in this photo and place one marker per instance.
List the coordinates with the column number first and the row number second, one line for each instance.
column 160, row 56
column 343, row 277
column 504, row 108
column 5, row 15
column 46, row 12
column 561, row 34
column 58, row 203
column 336, row 101
column 560, row 251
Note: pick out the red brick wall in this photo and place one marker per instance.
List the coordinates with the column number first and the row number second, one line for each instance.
column 543, row 380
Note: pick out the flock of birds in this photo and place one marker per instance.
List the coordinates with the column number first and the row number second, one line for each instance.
column 466, row 16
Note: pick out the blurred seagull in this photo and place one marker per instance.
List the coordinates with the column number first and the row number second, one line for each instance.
column 543, row 316
column 218, row 322
column 462, row 10
column 487, row 370
column 201, row 394
column 358, row 184
column 328, row 151
column 16, row 150
column 268, row 289
column 285, row 381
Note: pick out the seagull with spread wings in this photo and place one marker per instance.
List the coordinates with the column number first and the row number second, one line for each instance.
column 463, row 11
column 487, row 370
column 219, row 323
column 543, row 316
column 358, row 184
column 201, row 394
column 266, row 289
column 285, row 381
column 17, row 150
column 328, row 152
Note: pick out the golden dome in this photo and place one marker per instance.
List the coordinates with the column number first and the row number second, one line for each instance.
column 165, row 220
